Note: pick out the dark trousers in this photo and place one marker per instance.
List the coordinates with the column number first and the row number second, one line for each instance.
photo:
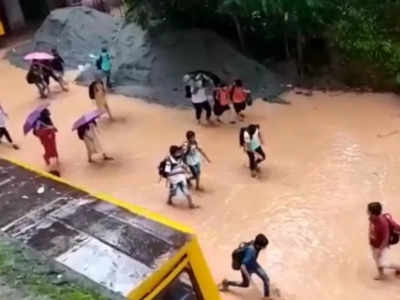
column 50, row 73
column 4, row 132
column 259, row 271
column 107, row 74
column 252, row 158
column 199, row 107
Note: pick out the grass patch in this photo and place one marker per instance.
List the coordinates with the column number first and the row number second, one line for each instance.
column 37, row 278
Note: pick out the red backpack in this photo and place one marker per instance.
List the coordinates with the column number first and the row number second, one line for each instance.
column 394, row 230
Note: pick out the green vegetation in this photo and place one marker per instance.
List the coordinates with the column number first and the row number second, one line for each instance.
column 36, row 279
column 366, row 31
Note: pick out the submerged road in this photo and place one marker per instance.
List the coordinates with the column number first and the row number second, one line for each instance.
column 328, row 156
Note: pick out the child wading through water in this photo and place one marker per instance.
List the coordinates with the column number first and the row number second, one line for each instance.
column 104, row 64
column 193, row 157
column 383, row 232
column 46, row 132
column 57, row 66
column 98, row 93
column 239, row 98
column 35, row 76
column 248, row 265
column 223, row 102
column 3, row 128
column 199, row 99
column 175, row 172
column 88, row 133
column 252, row 141
column 48, row 70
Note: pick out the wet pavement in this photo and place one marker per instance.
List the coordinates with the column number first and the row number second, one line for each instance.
column 113, row 247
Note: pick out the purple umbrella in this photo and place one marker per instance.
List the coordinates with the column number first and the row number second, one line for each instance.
column 87, row 118
column 33, row 117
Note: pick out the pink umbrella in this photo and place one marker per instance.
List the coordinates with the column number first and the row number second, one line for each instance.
column 87, row 118
column 39, row 56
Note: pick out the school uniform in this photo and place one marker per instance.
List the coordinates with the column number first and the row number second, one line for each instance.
column 254, row 146
column 3, row 129
column 200, row 102
column 176, row 181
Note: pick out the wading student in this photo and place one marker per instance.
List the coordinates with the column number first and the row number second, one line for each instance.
column 200, row 100
column 223, row 102
column 249, row 266
column 239, row 98
column 176, row 172
column 252, row 145
column 383, row 232
column 3, row 129
column 193, row 157
column 88, row 134
column 46, row 132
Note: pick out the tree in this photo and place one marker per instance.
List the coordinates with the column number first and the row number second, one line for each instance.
column 240, row 10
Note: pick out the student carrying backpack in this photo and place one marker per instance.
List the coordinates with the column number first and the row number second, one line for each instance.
column 250, row 138
column 238, row 254
column 244, row 258
column 173, row 169
column 161, row 168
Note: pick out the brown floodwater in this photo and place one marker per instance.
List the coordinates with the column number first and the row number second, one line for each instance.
column 328, row 156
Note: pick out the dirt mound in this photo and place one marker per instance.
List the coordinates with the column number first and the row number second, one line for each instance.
column 143, row 65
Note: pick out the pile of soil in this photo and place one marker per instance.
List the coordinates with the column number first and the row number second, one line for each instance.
column 144, row 65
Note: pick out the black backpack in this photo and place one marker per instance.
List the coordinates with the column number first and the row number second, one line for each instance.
column 238, row 255
column 241, row 136
column 249, row 100
column 162, row 165
column 32, row 77
column 188, row 92
column 98, row 62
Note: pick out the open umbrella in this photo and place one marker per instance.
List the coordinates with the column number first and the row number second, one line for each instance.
column 33, row 117
column 87, row 118
column 38, row 56
column 206, row 75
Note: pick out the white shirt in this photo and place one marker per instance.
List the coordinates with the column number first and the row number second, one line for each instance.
column 172, row 166
column 254, row 141
column 200, row 95
column 193, row 156
column 3, row 117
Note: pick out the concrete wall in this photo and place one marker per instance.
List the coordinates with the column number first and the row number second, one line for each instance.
column 13, row 12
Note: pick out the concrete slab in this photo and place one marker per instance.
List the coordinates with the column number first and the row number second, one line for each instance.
column 111, row 246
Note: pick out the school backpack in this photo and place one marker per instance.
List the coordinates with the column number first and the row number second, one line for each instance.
column 394, row 237
column 249, row 100
column 238, row 255
column 162, row 165
column 99, row 62
column 188, row 92
column 241, row 136
column 31, row 77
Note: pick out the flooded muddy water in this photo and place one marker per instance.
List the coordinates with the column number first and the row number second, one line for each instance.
column 327, row 156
